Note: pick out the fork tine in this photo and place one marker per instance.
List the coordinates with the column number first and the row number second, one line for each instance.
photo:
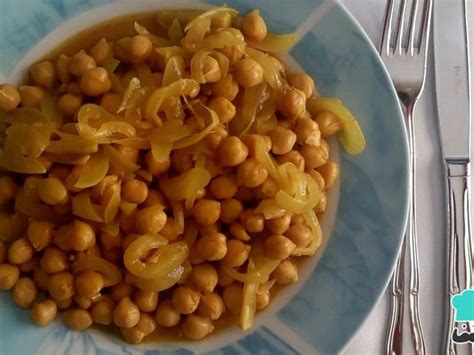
column 387, row 29
column 424, row 34
column 400, row 25
column 411, row 34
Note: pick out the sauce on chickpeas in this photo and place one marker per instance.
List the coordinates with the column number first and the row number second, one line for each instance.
column 163, row 244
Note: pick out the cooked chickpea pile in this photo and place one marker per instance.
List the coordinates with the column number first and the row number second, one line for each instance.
column 163, row 181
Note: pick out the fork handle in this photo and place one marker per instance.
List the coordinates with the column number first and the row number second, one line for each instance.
column 460, row 247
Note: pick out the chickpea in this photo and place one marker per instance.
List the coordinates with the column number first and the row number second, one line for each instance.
column 61, row 285
column 292, row 103
column 31, row 96
column 302, row 82
column 3, row 252
column 166, row 315
column 330, row 172
column 226, row 87
column 307, row 131
column 279, row 225
column 8, row 189
column 204, row 277
column 155, row 197
column 285, row 273
column 132, row 335
column 83, row 302
column 54, row 260
column 126, row 314
column 95, row 82
column 127, row 222
column 150, row 219
column 299, row 234
column 254, row 27
column 146, row 324
column 62, row 304
column 69, row 104
column 40, row 277
column 139, row 49
column 314, row 156
column 82, row 236
column 293, row 157
column 322, row 204
column 146, row 300
column 252, row 222
column 212, row 246
column 185, row 299
column 62, row 68
column 268, row 189
column 40, row 234
column 232, row 296
column 251, row 173
column 80, row 63
column 77, row 319
column 43, row 74
column 223, row 187
column 237, row 253
column 248, row 73
column 232, row 151
column 20, row 251
column 211, row 306
column 102, row 311
column 196, row 327
column 9, row 275
column 101, row 51
column 121, row 290
column 43, row 313
column 89, row 283
column 155, row 168
column 30, row 265
column 111, row 102
column 283, row 140
column 9, row 97
column 224, row 109
column 328, row 123
column 230, row 210
column 224, row 278
column 134, row 191
column 52, row 191
column 278, row 247
column 318, row 178
column 206, row 212
column 182, row 160
column 263, row 299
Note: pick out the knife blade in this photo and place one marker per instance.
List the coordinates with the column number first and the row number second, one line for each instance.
column 452, row 78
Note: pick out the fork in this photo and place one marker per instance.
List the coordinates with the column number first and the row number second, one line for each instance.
column 404, row 55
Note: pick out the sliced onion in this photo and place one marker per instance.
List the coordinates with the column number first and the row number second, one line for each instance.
column 174, row 70
column 119, row 161
column 270, row 209
column 175, row 32
column 163, row 282
column 210, row 14
column 16, row 162
column 157, row 41
column 94, row 171
column 271, row 74
column 133, row 86
column 275, row 42
column 83, row 207
column 127, row 207
column 249, row 301
column 186, row 185
column 113, row 203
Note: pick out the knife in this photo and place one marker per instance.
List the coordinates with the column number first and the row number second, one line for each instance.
column 453, row 98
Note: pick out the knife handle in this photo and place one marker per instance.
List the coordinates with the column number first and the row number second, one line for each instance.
column 460, row 261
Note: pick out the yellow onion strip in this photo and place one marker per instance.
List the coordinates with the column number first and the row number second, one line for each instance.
column 271, row 73
column 161, row 283
column 163, row 138
column 350, row 136
column 195, row 34
column 258, row 275
column 157, row 41
column 144, row 174
column 191, row 234
column 93, row 171
column 145, row 75
column 275, row 42
column 109, row 271
column 175, row 32
column 18, row 163
column 197, row 64
column 210, row 14
column 265, row 159
column 178, row 214
column 174, row 70
column 222, row 39
column 167, row 52
column 83, row 207
column 186, row 185
column 252, row 99
column 72, row 144
column 32, row 208
column 26, row 115
column 296, row 205
column 169, row 257
column 249, row 301
column 119, row 161
column 50, row 109
column 111, row 228
column 69, row 159
column 113, row 203
column 28, row 139
column 223, row 61
column 166, row 18
column 178, row 88
column 133, row 86
column 110, row 65
column 270, row 209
